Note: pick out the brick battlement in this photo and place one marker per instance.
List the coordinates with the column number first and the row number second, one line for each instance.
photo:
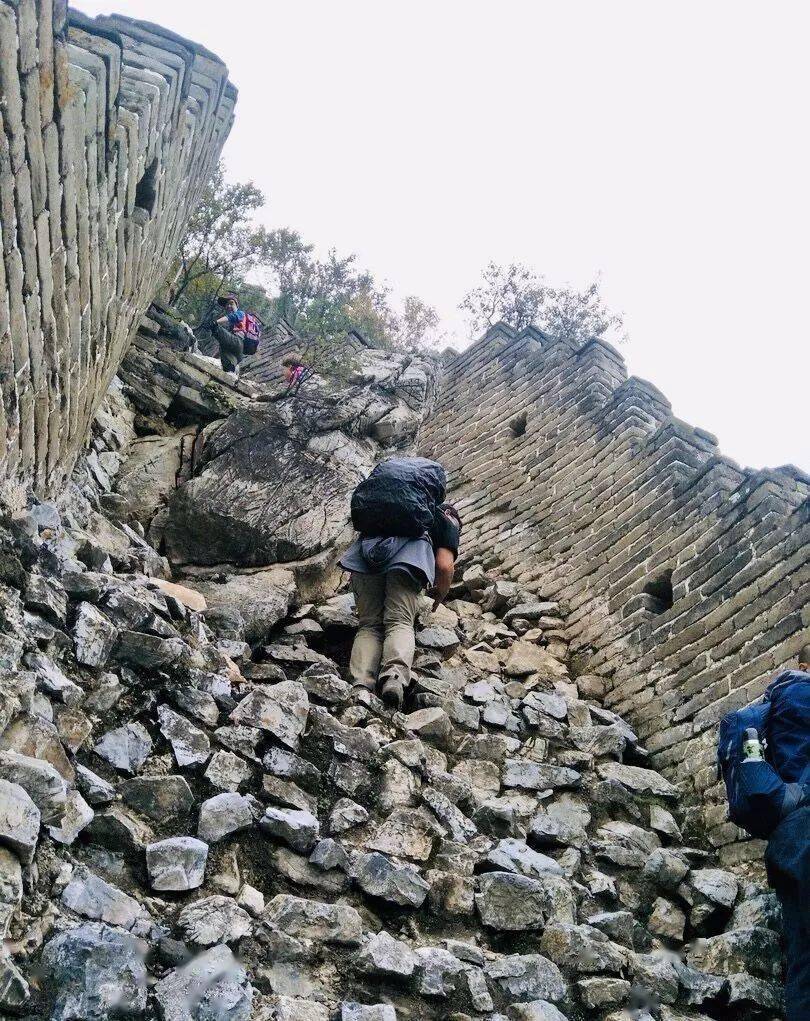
column 686, row 577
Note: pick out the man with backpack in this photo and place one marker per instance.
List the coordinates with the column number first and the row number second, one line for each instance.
column 408, row 540
column 237, row 332
column 764, row 755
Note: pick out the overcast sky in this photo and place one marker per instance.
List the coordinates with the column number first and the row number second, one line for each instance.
column 662, row 144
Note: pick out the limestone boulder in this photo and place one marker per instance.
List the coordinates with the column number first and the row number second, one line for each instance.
column 11, row 888
column 511, row 855
column 380, row 877
column 638, row 780
column 514, row 903
column 148, row 476
column 14, row 990
column 213, row 920
column 280, row 709
column 77, row 816
column 190, row 744
column 230, row 512
column 262, row 598
column 753, row 950
column 159, row 798
column 177, row 863
column 94, row 636
column 19, row 821
column 225, row 814
column 581, row 948
column 297, row 828
column 212, row 985
column 526, row 658
column 126, row 748
column 94, row 898
column 94, row 972
column 384, row 955
column 38, row 738
column 526, row 977
column 537, row 1010
column 44, row 785
column 312, row 919
column 351, row 1011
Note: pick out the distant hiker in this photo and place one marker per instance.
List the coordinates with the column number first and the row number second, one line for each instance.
column 238, row 333
column 408, row 541
column 294, row 371
column 764, row 753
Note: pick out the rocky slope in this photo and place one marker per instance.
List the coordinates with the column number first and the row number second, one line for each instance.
column 200, row 819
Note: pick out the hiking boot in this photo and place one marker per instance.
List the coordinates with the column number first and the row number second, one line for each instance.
column 359, row 686
column 393, row 693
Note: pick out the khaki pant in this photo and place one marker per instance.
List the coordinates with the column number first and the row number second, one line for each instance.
column 386, row 607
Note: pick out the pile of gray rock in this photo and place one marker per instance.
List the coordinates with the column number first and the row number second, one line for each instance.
column 200, row 819
column 196, row 826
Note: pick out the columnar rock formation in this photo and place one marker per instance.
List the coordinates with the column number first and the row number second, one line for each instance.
column 687, row 578
column 109, row 129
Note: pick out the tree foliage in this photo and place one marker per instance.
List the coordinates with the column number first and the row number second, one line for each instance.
column 514, row 294
column 325, row 297
column 220, row 247
column 417, row 325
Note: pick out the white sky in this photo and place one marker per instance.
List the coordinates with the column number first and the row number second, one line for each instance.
column 663, row 143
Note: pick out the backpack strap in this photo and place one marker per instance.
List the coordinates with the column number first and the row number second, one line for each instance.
column 794, row 794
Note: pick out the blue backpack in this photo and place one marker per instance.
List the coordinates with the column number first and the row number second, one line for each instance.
column 761, row 793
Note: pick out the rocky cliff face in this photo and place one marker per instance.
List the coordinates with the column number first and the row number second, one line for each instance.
column 110, row 128
column 200, row 819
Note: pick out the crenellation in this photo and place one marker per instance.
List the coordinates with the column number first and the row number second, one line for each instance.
column 606, row 491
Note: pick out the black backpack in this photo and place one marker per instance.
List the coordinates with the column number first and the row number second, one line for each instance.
column 399, row 497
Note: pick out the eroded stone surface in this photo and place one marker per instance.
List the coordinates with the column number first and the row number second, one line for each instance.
column 501, row 849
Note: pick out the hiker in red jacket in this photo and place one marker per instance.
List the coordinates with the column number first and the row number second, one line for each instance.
column 295, row 372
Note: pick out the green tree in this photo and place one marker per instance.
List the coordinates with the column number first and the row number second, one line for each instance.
column 514, row 294
column 323, row 299
column 417, row 327
column 220, row 247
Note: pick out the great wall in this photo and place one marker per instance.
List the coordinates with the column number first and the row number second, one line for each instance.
column 687, row 577
column 199, row 818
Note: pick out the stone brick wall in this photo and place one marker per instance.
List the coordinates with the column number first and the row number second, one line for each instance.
column 108, row 130
column 580, row 483
column 281, row 340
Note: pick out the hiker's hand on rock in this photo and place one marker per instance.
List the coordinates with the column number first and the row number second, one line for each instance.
column 445, row 565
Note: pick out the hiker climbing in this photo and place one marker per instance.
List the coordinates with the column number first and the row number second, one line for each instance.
column 237, row 332
column 295, row 372
column 408, row 541
column 764, row 755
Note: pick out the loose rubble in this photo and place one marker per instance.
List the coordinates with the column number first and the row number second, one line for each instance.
column 200, row 818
